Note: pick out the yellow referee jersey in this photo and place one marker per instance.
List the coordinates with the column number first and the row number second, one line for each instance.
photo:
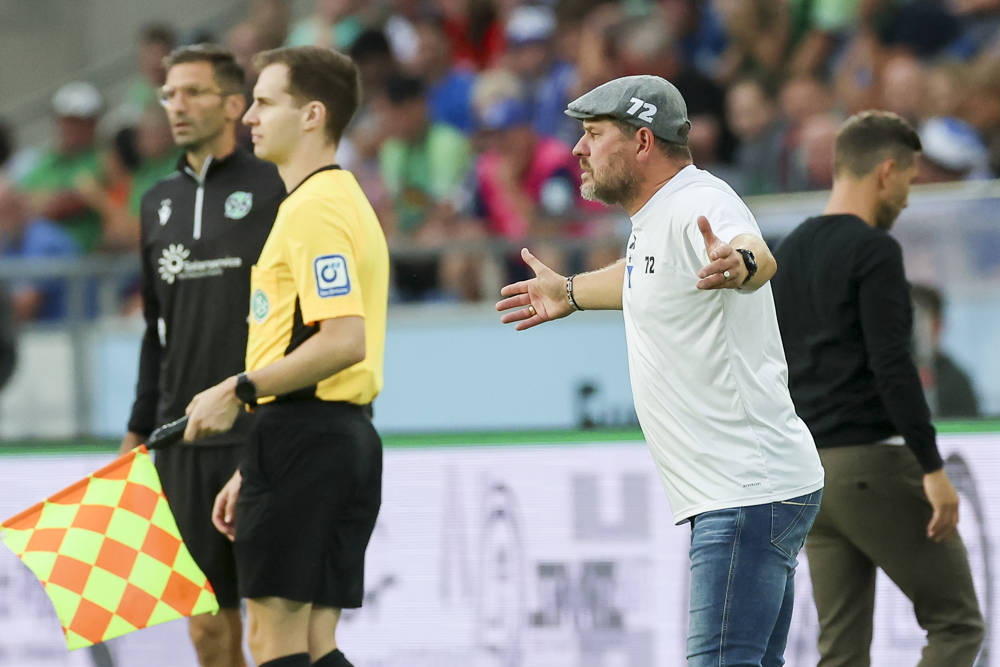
column 326, row 257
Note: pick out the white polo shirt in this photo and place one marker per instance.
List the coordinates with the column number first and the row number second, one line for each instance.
column 708, row 370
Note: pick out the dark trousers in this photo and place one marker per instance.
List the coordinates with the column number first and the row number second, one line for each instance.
column 875, row 515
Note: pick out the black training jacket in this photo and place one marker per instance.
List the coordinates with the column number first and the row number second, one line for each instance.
column 201, row 233
column 845, row 317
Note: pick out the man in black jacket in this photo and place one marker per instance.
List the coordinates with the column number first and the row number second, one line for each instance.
column 845, row 318
column 203, row 227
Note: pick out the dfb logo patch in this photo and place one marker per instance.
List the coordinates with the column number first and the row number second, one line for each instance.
column 331, row 276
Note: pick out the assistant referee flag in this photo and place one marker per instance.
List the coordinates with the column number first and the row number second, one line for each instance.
column 109, row 554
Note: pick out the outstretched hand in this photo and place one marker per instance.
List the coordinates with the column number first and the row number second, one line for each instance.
column 539, row 299
column 725, row 268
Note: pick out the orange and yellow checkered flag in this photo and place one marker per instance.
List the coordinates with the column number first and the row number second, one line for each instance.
column 109, row 554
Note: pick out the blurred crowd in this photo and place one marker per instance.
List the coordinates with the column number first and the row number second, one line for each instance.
column 462, row 141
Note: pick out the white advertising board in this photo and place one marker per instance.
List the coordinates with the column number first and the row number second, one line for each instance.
column 511, row 556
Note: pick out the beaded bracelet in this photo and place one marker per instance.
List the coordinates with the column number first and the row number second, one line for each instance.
column 569, row 293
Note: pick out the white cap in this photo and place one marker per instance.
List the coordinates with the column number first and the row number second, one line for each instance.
column 530, row 23
column 953, row 144
column 77, row 99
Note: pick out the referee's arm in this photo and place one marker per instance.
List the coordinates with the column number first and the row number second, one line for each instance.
column 338, row 344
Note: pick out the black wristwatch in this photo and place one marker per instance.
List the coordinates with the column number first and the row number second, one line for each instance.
column 246, row 390
column 750, row 261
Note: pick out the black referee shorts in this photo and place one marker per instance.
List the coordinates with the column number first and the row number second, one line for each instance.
column 191, row 476
column 312, row 488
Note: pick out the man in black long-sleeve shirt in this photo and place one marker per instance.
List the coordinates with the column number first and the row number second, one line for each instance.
column 203, row 227
column 845, row 317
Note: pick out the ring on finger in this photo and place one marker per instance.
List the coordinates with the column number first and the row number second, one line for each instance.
column 726, row 274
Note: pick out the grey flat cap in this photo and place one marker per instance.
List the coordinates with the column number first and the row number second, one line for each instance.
column 643, row 101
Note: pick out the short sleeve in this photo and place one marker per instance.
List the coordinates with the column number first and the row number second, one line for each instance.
column 322, row 255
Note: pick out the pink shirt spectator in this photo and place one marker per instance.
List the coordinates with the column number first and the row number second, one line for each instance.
column 551, row 181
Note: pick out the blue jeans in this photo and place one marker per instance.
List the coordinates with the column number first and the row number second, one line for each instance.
column 743, row 581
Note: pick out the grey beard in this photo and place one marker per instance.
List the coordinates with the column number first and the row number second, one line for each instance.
column 618, row 192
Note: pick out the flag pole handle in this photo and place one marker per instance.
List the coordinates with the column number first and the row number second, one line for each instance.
column 167, row 435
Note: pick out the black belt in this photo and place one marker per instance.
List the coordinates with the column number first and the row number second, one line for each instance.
column 290, row 399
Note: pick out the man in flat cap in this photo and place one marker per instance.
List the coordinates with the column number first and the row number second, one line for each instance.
column 705, row 358
column 52, row 183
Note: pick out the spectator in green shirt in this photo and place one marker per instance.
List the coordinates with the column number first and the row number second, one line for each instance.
column 52, row 183
column 333, row 23
column 423, row 166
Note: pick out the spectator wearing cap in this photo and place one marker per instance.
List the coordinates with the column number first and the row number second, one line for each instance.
column 449, row 84
column 531, row 55
column 953, row 151
column 423, row 165
column 52, row 182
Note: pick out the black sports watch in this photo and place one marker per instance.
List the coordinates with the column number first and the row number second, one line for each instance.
column 246, row 390
column 750, row 261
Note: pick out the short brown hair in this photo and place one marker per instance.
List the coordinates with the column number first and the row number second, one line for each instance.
column 870, row 137
column 323, row 75
column 227, row 72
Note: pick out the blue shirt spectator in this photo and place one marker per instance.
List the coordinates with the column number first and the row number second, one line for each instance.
column 531, row 55
column 449, row 86
column 448, row 99
column 43, row 298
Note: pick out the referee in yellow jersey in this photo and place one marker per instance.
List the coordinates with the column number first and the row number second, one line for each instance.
column 303, row 504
